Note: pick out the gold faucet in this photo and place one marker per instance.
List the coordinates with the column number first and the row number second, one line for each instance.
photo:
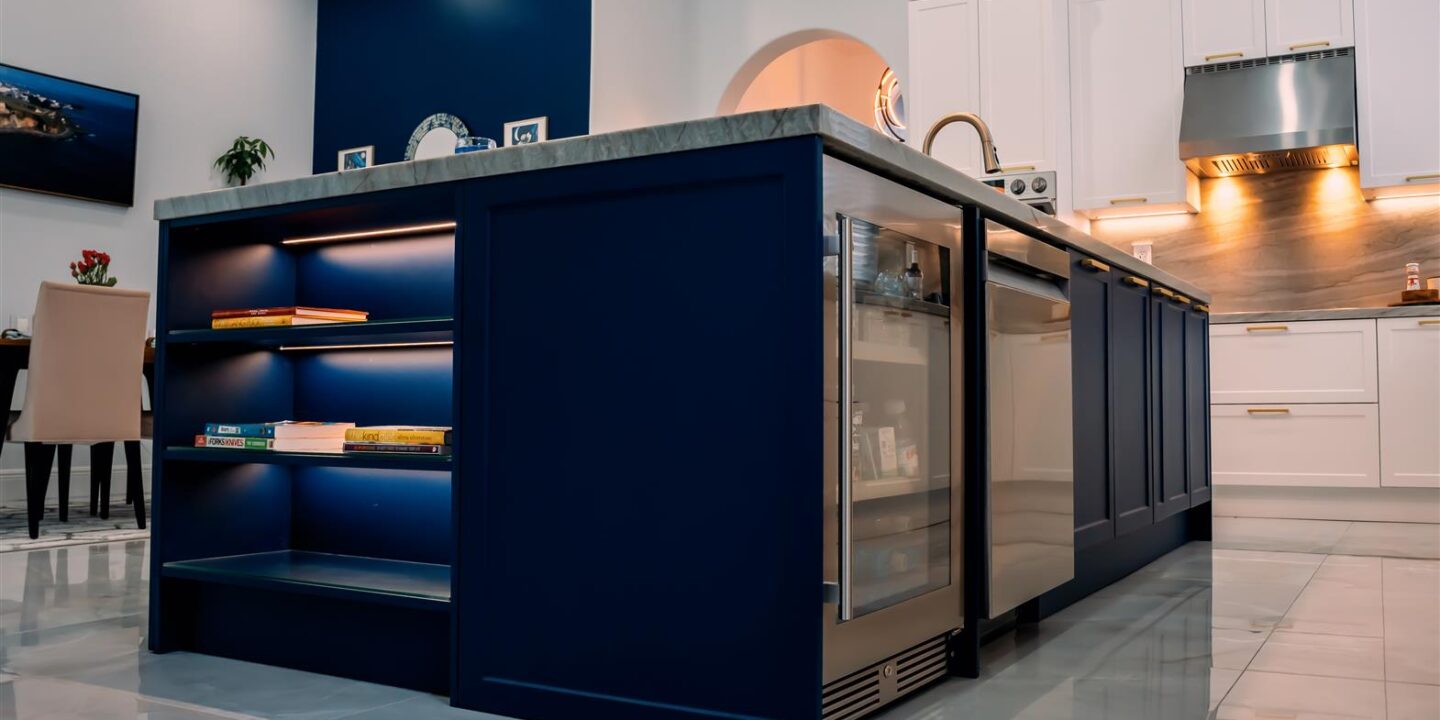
column 987, row 142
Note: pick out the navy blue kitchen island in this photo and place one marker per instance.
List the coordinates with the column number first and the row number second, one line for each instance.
column 635, row 337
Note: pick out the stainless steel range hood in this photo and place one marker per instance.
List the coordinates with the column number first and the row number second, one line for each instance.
column 1261, row 116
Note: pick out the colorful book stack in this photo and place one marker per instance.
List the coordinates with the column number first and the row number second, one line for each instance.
column 398, row 439
column 283, row 436
column 283, row 316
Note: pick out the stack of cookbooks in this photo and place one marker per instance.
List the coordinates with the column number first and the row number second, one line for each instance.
column 283, row 436
column 282, row 316
column 398, row 439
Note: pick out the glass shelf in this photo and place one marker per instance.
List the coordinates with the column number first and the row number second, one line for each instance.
column 378, row 332
column 383, row 461
column 422, row 586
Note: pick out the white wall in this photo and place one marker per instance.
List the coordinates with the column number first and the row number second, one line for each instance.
column 659, row 61
column 205, row 72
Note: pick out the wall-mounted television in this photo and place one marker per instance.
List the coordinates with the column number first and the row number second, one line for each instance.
column 69, row 138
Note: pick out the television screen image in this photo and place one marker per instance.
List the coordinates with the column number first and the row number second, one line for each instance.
column 67, row 138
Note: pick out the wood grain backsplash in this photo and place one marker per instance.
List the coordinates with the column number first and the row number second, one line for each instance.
column 1291, row 241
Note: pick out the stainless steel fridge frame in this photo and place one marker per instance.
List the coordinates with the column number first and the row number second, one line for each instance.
column 874, row 658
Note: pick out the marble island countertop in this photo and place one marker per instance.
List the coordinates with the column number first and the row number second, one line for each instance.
column 843, row 137
column 1328, row 314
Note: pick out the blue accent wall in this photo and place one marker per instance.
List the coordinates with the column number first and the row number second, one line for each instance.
column 382, row 66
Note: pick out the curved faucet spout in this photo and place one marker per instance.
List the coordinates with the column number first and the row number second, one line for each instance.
column 987, row 142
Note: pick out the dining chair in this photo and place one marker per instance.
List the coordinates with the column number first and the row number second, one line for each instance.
column 83, row 388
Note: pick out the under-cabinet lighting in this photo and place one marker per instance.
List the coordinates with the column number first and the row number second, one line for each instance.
column 366, row 234
column 369, row 346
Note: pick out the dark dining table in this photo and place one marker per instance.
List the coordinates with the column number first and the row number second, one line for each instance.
column 15, row 356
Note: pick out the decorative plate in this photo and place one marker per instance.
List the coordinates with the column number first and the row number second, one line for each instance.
column 438, row 121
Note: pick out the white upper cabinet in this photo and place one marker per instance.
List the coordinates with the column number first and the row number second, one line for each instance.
column 944, row 76
column 1293, row 26
column 1397, row 92
column 1018, row 80
column 1126, row 92
column 1223, row 31
column 1409, row 400
column 996, row 58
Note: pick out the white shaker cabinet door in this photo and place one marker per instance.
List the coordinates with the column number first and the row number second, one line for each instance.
column 1019, row 98
column 1294, row 26
column 1126, row 94
column 1397, row 93
column 1316, row 361
column 1301, row 445
column 945, row 77
column 1410, row 402
column 1223, row 31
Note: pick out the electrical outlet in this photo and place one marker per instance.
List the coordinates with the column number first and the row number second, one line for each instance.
column 22, row 323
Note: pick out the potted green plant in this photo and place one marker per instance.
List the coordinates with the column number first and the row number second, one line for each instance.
column 243, row 158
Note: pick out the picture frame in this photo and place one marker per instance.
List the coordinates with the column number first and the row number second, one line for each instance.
column 526, row 132
column 356, row 158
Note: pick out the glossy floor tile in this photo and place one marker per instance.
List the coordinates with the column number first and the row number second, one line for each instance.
column 1204, row 632
column 1284, row 535
column 1397, row 540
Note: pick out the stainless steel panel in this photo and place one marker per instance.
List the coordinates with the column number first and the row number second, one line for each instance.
column 869, row 637
column 1031, row 484
column 1269, row 108
column 1018, row 247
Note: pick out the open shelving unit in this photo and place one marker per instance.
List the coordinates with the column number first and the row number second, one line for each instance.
column 337, row 563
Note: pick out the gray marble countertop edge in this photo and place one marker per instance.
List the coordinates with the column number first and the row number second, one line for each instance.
column 843, row 137
column 1326, row 314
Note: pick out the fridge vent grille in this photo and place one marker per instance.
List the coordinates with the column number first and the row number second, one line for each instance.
column 860, row 693
column 1277, row 60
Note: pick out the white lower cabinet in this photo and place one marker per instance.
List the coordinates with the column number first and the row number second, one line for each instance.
column 1317, row 361
column 1409, row 402
column 1316, row 445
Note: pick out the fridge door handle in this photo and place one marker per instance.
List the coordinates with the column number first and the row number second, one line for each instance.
column 847, row 416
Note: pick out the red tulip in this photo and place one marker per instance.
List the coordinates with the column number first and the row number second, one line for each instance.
column 104, row 258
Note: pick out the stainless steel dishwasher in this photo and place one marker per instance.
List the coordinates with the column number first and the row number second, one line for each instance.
column 1031, row 523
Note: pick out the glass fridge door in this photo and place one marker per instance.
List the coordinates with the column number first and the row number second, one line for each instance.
column 895, row 524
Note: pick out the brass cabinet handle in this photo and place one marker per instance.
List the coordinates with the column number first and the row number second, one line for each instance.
column 1137, row 281
column 1016, row 168
column 1119, row 201
column 1181, row 299
column 1431, row 176
column 1202, row 307
column 1093, row 264
column 1267, row 328
column 1302, row 46
column 1222, row 56
column 1164, row 292
column 1430, row 322
column 1268, row 411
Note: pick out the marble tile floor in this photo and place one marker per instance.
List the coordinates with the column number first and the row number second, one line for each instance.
column 81, row 529
column 1332, row 537
column 1204, row 632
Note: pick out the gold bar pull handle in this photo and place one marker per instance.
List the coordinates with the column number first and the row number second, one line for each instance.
column 1093, row 264
column 1432, row 321
column 1316, row 44
column 1128, row 200
column 1137, row 281
column 1202, row 307
column 1268, row 411
column 1182, row 299
column 1016, row 168
column 1222, row 56
column 1267, row 328
column 1164, row 292
column 1431, row 176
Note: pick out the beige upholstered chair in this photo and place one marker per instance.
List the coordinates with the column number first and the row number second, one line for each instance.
column 84, row 384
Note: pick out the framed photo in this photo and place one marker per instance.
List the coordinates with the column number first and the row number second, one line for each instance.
column 65, row 137
column 525, row 132
column 355, row 158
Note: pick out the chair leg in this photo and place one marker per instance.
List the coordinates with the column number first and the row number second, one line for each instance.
column 101, row 455
column 134, row 481
column 65, row 452
column 38, row 457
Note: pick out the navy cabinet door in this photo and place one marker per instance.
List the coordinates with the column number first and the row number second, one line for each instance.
column 1172, row 487
column 1090, row 355
column 1130, row 414
column 1197, row 404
